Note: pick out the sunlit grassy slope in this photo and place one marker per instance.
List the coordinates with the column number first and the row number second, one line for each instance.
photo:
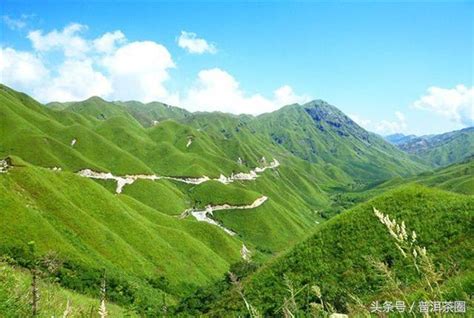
column 118, row 137
column 457, row 178
column 93, row 228
column 444, row 149
column 15, row 298
column 147, row 251
column 338, row 256
column 315, row 132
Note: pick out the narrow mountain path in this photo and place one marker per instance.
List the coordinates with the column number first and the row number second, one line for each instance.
column 245, row 253
column 4, row 166
column 204, row 215
column 122, row 181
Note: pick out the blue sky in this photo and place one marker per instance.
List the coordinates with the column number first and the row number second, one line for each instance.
column 394, row 67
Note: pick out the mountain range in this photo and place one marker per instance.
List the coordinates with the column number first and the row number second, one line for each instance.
column 165, row 202
column 439, row 150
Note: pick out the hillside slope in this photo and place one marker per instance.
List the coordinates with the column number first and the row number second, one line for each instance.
column 15, row 297
column 104, row 137
column 315, row 132
column 320, row 133
column 116, row 137
column 444, row 149
column 91, row 229
column 155, row 196
column 136, row 234
column 458, row 178
column 338, row 256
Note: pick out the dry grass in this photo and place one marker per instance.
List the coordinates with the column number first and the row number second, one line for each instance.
column 410, row 249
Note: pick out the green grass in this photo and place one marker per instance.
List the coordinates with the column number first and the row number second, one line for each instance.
column 161, row 195
column 151, row 256
column 148, row 113
column 444, row 149
column 116, row 142
column 336, row 257
column 457, row 178
column 215, row 193
column 15, row 298
column 109, row 138
column 92, row 228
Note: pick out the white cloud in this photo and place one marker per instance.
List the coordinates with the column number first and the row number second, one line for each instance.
column 363, row 122
column 386, row 127
column 21, row 69
column 110, row 67
column 138, row 70
column 400, row 116
column 106, row 66
column 285, row 96
column 191, row 43
column 68, row 40
column 14, row 24
column 217, row 90
column 456, row 104
column 108, row 42
column 76, row 80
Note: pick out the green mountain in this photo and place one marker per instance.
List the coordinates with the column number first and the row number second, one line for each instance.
column 343, row 256
column 55, row 300
column 91, row 229
column 444, row 149
column 152, row 113
column 137, row 235
column 457, row 178
column 104, row 137
column 164, row 202
column 315, row 132
column 320, row 133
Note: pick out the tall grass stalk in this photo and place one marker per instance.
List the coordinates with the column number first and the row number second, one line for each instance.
column 68, row 309
column 35, row 293
column 103, row 290
column 252, row 311
column 410, row 249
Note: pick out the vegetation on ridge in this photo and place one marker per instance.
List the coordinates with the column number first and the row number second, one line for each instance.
column 337, row 257
column 157, row 262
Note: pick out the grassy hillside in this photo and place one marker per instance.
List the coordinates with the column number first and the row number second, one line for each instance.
column 315, row 132
column 147, row 252
column 444, row 149
column 339, row 257
column 320, row 133
column 214, row 192
column 109, row 140
column 151, row 256
column 457, row 178
column 92, row 229
column 152, row 113
column 105, row 136
column 16, row 296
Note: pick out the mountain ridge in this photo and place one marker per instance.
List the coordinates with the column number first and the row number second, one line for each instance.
column 161, row 216
column 442, row 149
column 340, row 264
